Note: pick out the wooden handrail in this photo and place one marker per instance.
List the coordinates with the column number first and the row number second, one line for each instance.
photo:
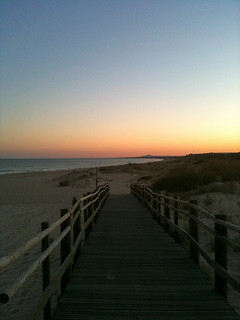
column 95, row 200
column 17, row 284
column 47, row 294
column 209, row 215
column 146, row 196
column 4, row 261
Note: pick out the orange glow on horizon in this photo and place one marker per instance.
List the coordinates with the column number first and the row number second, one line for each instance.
column 119, row 139
column 98, row 148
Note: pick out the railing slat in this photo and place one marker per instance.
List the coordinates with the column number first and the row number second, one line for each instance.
column 12, row 289
column 46, row 272
column 31, row 243
column 221, row 256
column 71, row 237
column 146, row 196
column 193, row 231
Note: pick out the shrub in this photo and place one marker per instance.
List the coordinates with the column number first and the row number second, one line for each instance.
column 183, row 179
column 63, row 183
column 226, row 170
column 189, row 178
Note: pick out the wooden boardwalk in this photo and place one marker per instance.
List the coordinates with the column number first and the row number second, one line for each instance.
column 130, row 268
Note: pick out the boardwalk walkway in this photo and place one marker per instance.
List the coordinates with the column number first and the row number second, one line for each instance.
column 131, row 269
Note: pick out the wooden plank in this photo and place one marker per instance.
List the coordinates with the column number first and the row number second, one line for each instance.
column 130, row 268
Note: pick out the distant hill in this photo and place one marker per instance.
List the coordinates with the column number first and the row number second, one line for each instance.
column 148, row 156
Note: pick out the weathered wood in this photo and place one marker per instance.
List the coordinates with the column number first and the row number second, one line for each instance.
column 221, row 255
column 12, row 289
column 166, row 212
column 193, row 231
column 131, row 269
column 58, row 276
column 159, row 209
column 137, row 190
column 51, row 288
column 92, row 211
column 82, row 222
column 195, row 247
column 76, row 228
column 66, row 246
column 175, row 235
column 46, row 272
column 68, row 232
column 5, row 261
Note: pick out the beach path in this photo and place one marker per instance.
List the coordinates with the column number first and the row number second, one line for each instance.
column 130, row 268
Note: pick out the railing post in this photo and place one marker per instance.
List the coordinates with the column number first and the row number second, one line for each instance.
column 155, row 204
column 157, row 208
column 193, row 231
column 85, row 202
column 151, row 205
column 46, row 272
column 66, row 247
column 149, row 201
column 74, row 200
column 161, row 210
column 98, row 201
column 176, row 236
column 94, row 208
column 221, row 255
column 166, row 213
column 76, row 229
column 82, row 222
column 144, row 200
column 92, row 212
column 142, row 195
column 89, row 213
column 88, row 208
column 146, row 197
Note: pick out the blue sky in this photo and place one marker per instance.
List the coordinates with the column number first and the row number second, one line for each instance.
column 135, row 76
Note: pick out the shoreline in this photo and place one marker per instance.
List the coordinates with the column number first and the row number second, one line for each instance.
column 62, row 164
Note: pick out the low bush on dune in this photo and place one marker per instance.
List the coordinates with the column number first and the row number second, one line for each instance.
column 189, row 178
column 226, row 170
column 64, row 183
column 182, row 179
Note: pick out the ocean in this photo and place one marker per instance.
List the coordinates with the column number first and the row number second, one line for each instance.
column 33, row 165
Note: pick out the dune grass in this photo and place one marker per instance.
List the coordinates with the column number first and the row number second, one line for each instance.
column 200, row 174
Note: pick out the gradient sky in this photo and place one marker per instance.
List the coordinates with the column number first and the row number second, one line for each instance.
column 100, row 78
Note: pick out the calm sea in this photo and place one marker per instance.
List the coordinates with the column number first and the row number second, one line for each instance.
column 33, row 165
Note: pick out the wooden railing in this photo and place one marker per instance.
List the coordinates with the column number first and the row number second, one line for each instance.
column 75, row 225
column 169, row 211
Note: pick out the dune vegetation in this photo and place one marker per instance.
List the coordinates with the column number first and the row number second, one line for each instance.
column 199, row 171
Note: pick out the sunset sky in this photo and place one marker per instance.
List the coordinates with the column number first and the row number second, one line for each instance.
column 108, row 78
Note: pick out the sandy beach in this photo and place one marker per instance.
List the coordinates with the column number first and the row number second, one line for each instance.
column 31, row 198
